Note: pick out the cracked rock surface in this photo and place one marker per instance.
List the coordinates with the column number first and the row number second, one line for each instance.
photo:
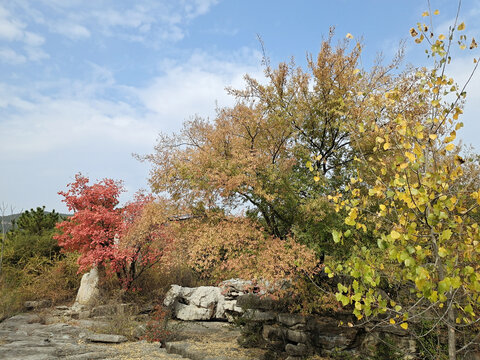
column 28, row 337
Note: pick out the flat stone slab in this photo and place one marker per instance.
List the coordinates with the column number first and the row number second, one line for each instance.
column 107, row 338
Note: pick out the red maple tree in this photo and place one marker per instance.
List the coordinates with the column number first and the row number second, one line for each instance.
column 107, row 235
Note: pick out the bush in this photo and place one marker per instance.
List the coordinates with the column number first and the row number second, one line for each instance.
column 54, row 279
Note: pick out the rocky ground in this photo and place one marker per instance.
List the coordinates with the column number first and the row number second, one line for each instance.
column 51, row 335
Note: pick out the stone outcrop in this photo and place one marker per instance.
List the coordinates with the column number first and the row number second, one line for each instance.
column 293, row 335
column 89, row 292
column 207, row 302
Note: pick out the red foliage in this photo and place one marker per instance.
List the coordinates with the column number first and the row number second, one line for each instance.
column 108, row 235
column 95, row 223
column 157, row 330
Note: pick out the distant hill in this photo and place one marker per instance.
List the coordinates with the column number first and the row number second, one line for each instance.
column 9, row 218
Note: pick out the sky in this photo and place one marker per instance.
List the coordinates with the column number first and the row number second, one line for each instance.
column 84, row 84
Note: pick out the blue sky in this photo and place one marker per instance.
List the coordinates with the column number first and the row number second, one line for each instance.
column 84, row 84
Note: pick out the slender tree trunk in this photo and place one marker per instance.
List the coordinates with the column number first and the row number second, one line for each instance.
column 452, row 340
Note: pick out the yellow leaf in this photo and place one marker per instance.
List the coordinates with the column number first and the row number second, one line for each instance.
column 404, row 326
column 436, row 12
column 403, row 166
column 425, row 13
column 473, row 44
column 386, row 146
column 349, row 36
column 432, row 136
column 413, row 32
column 395, row 235
column 463, row 46
column 356, row 71
column 316, row 178
column 410, row 156
column 441, row 37
column 442, row 252
column 461, row 27
column 392, row 321
column 449, row 147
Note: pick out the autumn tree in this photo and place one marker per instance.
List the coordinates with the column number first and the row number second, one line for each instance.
column 124, row 240
column 421, row 196
column 257, row 153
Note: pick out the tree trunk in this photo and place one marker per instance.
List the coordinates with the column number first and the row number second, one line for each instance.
column 452, row 340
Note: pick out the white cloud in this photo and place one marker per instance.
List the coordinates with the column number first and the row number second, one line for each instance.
column 77, row 112
column 194, row 87
column 70, row 30
column 147, row 21
column 13, row 31
column 11, row 57
column 10, row 29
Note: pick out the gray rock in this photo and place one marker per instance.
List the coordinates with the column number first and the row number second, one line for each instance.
column 107, row 338
column 235, row 287
column 296, row 350
column 192, row 312
column 104, row 310
column 30, row 305
column 252, row 301
column 204, row 296
column 88, row 293
column 291, row 319
column 257, row 315
column 298, row 336
column 172, row 295
column 273, row 333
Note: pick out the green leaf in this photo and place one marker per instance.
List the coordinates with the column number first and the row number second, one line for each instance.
column 337, row 236
column 442, row 252
column 446, row 235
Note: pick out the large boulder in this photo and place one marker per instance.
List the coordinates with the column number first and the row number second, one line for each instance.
column 89, row 292
column 207, row 302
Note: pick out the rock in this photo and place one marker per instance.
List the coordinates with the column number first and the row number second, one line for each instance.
column 298, row 336
column 192, row 312
column 172, row 295
column 328, row 335
column 31, row 305
column 251, row 301
column 296, row 350
column 273, row 333
column 107, row 338
column 291, row 319
column 83, row 315
column 204, row 296
column 88, row 293
column 201, row 303
column 235, row 287
column 104, row 310
column 257, row 315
